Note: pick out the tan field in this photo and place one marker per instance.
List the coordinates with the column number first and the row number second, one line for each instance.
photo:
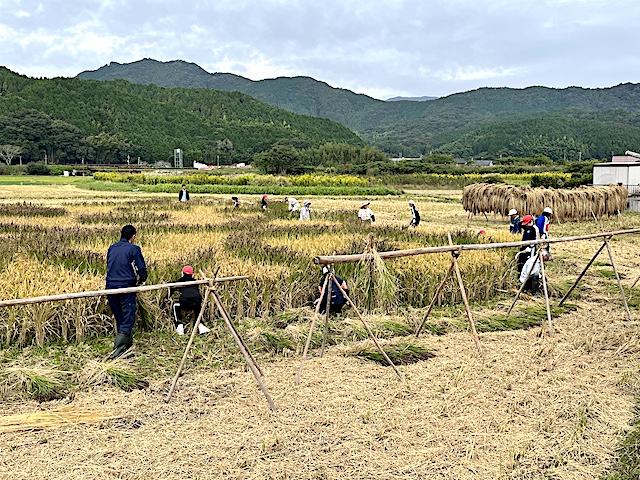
column 533, row 406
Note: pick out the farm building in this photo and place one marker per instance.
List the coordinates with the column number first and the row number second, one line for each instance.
column 623, row 170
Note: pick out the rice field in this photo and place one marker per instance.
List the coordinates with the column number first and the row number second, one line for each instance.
column 532, row 407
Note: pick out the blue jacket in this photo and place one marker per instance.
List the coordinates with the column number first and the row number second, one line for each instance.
column 542, row 222
column 125, row 265
column 336, row 295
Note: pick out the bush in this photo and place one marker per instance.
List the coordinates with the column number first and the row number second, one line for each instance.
column 37, row 168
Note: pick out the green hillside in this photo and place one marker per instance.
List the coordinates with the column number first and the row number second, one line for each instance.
column 569, row 122
column 68, row 119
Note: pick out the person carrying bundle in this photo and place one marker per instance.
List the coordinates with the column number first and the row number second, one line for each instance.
column 532, row 268
column 365, row 214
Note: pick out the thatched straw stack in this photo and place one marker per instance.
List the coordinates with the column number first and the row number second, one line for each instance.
column 576, row 204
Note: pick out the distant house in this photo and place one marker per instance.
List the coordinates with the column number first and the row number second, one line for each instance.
column 483, row 163
column 461, row 161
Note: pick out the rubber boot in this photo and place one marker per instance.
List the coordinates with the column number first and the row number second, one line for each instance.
column 121, row 344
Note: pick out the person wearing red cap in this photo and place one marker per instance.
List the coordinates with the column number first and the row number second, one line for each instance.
column 529, row 232
column 190, row 300
column 263, row 203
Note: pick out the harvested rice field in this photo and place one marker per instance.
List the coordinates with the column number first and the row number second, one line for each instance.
column 533, row 406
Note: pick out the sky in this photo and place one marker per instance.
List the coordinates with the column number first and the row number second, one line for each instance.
column 383, row 49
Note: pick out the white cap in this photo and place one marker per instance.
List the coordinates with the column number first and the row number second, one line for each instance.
column 365, row 203
column 325, row 270
column 411, row 202
column 307, row 202
column 547, row 210
column 513, row 211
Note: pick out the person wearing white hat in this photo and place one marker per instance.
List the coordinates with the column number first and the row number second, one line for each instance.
column 305, row 211
column 415, row 215
column 365, row 214
column 514, row 224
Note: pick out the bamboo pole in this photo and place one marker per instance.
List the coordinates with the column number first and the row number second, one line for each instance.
column 615, row 270
column 463, row 293
column 435, row 298
column 546, row 292
column 186, row 350
column 324, row 260
column 575, row 284
column 375, row 341
column 114, row 291
column 634, row 283
column 247, row 356
column 313, row 323
column 327, row 312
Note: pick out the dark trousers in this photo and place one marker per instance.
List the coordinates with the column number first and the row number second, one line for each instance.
column 180, row 307
column 123, row 307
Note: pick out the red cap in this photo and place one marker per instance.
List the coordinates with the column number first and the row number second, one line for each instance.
column 482, row 232
column 526, row 219
column 188, row 269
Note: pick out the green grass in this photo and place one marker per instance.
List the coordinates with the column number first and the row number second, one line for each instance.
column 628, row 464
column 400, row 353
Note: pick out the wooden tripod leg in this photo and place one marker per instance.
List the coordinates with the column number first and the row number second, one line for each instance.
column 546, row 293
column 313, row 324
column 231, row 324
column 247, row 356
column 186, row 351
column 435, row 299
column 615, row 270
column 521, row 288
column 355, row 309
column 326, row 318
column 575, row 284
column 463, row 293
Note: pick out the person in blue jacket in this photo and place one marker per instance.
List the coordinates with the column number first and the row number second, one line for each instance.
column 542, row 222
column 125, row 268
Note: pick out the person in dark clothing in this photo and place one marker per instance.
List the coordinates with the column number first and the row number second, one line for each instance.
column 415, row 215
column 337, row 298
column 125, row 268
column 529, row 232
column 190, row 300
column 263, row 202
column 236, row 202
column 183, row 194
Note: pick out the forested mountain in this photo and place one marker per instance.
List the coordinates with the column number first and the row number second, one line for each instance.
column 69, row 119
column 560, row 123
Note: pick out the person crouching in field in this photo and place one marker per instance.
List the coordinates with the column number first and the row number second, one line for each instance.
column 305, row 212
column 236, row 202
column 529, row 232
column 415, row 215
column 190, row 300
column 337, row 298
column 365, row 214
column 514, row 225
column 292, row 204
column 125, row 268
column 263, row 202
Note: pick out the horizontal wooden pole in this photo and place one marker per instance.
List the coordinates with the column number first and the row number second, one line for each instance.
column 332, row 259
column 113, row 291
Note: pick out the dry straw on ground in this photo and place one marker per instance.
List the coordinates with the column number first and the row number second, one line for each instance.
column 576, row 204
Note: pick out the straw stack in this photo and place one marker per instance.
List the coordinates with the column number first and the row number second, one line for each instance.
column 575, row 204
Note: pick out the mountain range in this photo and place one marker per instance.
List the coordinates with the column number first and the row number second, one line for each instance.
column 484, row 122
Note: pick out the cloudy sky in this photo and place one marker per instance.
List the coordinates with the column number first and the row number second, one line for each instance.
column 380, row 48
